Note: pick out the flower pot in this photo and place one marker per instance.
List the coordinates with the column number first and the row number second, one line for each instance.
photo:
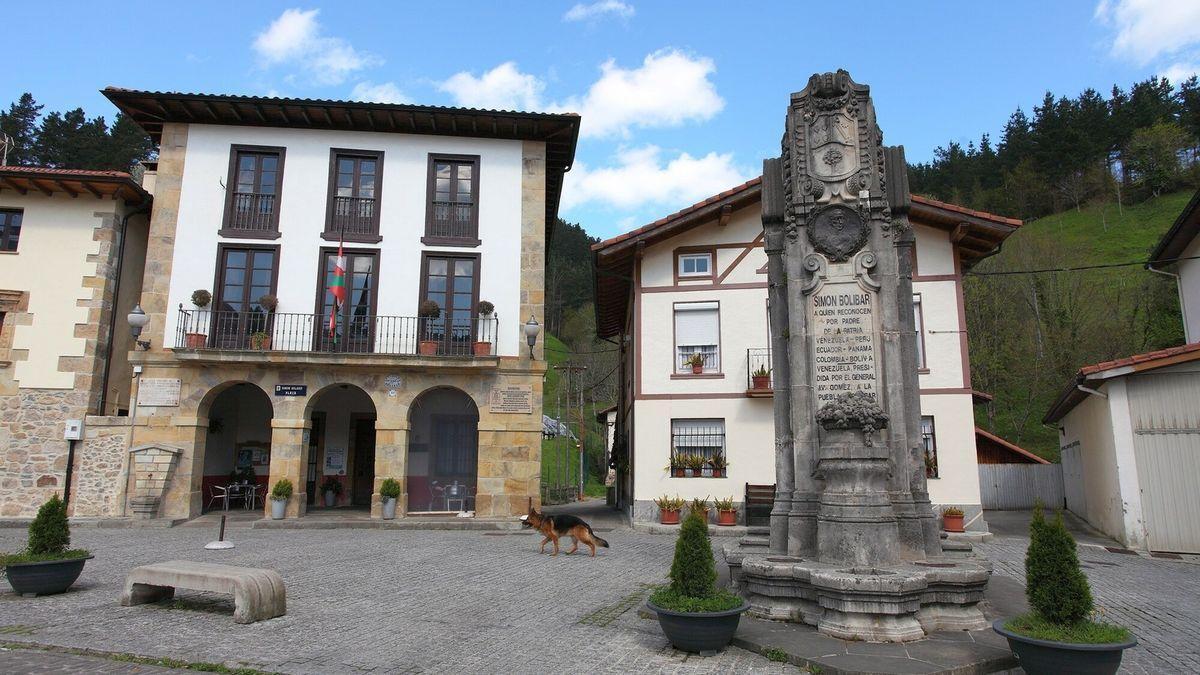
column 389, row 508
column 330, row 498
column 952, row 523
column 727, row 518
column 688, row 473
column 678, row 472
column 428, row 347
column 261, row 344
column 698, row 369
column 668, row 517
column 278, row 507
column 195, row 340
column 46, row 577
column 761, row 382
column 1046, row 656
column 483, row 349
column 699, row 632
column 718, row 473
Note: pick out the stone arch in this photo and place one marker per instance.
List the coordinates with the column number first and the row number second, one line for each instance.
column 233, row 435
column 341, row 443
column 442, row 468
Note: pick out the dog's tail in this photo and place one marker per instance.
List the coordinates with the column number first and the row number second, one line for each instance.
column 600, row 541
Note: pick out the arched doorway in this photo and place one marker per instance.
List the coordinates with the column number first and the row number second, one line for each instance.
column 237, row 448
column 341, row 446
column 443, row 452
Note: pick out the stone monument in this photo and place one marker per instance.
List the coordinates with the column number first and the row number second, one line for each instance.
column 853, row 546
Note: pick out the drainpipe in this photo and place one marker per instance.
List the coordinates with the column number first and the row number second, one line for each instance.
column 143, row 207
column 1179, row 293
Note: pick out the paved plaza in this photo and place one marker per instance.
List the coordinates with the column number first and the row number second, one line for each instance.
column 391, row 601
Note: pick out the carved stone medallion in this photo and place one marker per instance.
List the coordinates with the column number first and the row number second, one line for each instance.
column 838, row 231
column 832, row 146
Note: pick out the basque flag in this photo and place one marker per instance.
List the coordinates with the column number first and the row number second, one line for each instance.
column 337, row 287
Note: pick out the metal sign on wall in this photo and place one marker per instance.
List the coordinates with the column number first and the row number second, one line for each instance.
column 158, row 391
column 291, row 390
column 513, row 398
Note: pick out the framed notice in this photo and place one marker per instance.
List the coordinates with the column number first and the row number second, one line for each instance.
column 512, row 398
column 335, row 461
column 158, row 391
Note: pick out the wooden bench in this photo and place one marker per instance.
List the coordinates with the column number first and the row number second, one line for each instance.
column 258, row 594
column 759, row 501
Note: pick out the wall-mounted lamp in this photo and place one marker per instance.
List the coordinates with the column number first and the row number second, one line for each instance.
column 532, row 328
column 137, row 321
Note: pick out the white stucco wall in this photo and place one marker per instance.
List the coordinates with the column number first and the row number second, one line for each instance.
column 56, row 235
column 954, row 431
column 1189, row 290
column 1090, row 425
column 303, row 209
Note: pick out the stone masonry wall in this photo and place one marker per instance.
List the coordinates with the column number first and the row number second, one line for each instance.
column 95, row 489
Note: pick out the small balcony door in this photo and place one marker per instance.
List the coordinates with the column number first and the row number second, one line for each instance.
column 244, row 274
column 452, row 281
column 355, row 329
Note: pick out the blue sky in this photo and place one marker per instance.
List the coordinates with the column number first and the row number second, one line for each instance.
column 680, row 100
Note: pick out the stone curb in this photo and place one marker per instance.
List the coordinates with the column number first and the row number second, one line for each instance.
column 713, row 530
column 398, row 524
column 103, row 523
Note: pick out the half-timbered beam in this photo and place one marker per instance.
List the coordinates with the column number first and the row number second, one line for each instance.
column 41, row 188
column 90, row 188
column 9, row 182
column 65, row 188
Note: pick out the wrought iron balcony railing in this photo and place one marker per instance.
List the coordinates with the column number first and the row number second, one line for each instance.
column 452, row 220
column 252, row 212
column 258, row 330
column 354, row 217
column 759, row 372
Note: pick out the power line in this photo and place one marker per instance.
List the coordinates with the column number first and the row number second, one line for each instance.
column 1081, row 268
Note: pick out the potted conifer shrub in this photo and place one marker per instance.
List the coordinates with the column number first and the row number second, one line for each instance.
column 429, row 312
column 195, row 339
column 726, row 511
column 390, row 493
column 483, row 343
column 331, row 487
column 280, row 494
column 695, row 615
column 668, row 509
column 696, row 361
column 46, row 565
column 1060, row 635
column 952, row 519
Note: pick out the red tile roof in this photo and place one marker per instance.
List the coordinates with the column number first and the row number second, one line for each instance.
column 1013, row 447
column 75, row 182
column 1144, row 361
column 983, row 215
column 48, row 171
column 1095, row 374
column 752, row 183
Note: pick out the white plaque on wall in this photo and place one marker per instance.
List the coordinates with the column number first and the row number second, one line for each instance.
column 158, row 391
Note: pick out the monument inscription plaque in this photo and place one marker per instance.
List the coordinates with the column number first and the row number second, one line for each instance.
column 843, row 344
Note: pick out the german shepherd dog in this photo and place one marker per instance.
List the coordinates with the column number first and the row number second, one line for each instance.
column 554, row 527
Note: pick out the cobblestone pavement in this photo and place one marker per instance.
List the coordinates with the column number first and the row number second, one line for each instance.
column 38, row 662
column 1159, row 600
column 377, row 601
column 437, row 601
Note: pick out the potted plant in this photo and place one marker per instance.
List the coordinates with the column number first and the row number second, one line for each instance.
column 331, row 487
column 268, row 302
column 952, row 519
column 1060, row 635
column 696, row 361
column 669, row 508
column 694, row 614
column 483, row 345
column 260, row 340
column 429, row 311
column 726, row 511
column 761, row 378
column 699, row 507
column 718, row 465
column 46, row 565
column 196, row 340
column 694, row 464
column 390, row 493
column 280, row 494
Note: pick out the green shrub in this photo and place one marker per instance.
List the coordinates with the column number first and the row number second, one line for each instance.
column 693, row 572
column 282, row 490
column 1056, row 587
column 719, row 601
column 49, row 533
column 390, row 488
column 1084, row 632
column 331, row 484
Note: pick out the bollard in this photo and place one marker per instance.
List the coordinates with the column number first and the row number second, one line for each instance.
column 220, row 544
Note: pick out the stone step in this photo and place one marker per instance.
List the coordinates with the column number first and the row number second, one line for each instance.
column 758, row 531
column 751, row 540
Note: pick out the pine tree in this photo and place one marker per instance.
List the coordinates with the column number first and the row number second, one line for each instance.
column 1055, row 584
column 693, row 573
column 49, row 533
column 20, row 124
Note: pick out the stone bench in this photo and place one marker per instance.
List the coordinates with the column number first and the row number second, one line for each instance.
column 258, row 594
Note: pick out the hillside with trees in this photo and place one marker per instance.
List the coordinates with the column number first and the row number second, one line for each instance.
column 70, row 140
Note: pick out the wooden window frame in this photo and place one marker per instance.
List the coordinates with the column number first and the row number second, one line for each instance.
column 933, row 437
column 462, row 255
column 682, row 251
column 319, row 300
column 235, row 150
column 219, row 284
column 4, row 230
column 328, row 234
column 430, row 191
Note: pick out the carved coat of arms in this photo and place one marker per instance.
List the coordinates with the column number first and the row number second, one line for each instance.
column 832, row 146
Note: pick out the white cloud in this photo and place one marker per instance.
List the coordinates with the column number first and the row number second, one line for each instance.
column 295, row 39
column 1178, row 72
column 384, row 92
column 504, row 87
column 582, row 12
column 641, row 177
column 669, row 88
column 1149, row 29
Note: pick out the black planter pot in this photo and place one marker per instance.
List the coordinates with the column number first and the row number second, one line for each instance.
column 44, row 578
column 700, row 632
column 1046, row 656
